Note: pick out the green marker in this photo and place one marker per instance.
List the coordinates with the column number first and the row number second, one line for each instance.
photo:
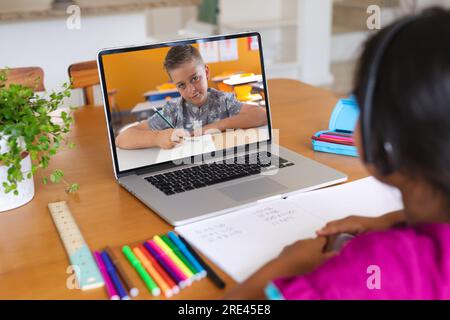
column 177, row 252
column 134, row 261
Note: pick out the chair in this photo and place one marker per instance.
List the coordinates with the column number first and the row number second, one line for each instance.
column 84, row 75
column 32, row 77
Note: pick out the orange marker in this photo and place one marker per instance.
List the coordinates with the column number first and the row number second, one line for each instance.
column 153, row 273
column 160, row 270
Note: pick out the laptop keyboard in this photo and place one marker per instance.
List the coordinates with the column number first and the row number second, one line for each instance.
column 213, row 173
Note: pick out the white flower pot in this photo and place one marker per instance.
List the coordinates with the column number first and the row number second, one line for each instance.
column 9, row 201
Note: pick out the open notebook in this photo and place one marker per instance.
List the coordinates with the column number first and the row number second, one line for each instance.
column 243, row 241
column 192, row 146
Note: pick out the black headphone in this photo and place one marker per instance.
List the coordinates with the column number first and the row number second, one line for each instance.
column 387, row 163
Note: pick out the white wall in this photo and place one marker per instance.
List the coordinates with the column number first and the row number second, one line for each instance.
column 249, row 10
column 49, row 44
column 266, row 17
column 314, row 41
column 348, row 46
column 28, row 5
column 15, row 5
column 427, row 3
column 52, row 46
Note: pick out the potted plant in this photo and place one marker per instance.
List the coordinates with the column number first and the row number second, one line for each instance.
column 29, row 136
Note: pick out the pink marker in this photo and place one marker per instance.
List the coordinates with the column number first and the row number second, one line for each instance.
column 336, row 137
column 185, row 281
column 112, row 293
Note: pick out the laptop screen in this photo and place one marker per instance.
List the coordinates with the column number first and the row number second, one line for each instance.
column 178, row 100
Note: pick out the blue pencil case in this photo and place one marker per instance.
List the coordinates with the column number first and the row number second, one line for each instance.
column 162, row 96
column 343, row 120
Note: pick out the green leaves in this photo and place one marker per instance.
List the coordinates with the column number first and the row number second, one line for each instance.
column 56, row 176
column 74, row 187
column 27, row 122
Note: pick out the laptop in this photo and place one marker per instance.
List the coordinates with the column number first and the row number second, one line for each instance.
column 206, row 173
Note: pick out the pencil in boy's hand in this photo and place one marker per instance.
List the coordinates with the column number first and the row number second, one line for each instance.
column 164, row 118
column 209, row 272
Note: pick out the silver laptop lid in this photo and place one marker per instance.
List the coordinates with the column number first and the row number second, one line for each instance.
column 153, row 84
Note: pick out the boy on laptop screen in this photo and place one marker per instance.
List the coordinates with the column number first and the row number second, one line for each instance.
column 189, row 121
column 199, row 109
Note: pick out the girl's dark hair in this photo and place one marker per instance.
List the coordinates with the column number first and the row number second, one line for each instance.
column 411, row 106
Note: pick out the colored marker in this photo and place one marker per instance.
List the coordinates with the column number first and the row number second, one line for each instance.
column 151, row 285
column 340, row 141
column 160, row 270
column 123, row 276
column 155, row 275
column 341, row 133
column 209, row 272
column 180, row 256
column 173, row 236
column 337, row 137
column 112, row 293
column 172, row 256
column 114, row 277
column 177, row 278
column 185, row 281
column 346, row 143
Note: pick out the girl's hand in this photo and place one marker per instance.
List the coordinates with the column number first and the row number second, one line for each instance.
column 295, row 260
column 356, row 225
column 304, row 256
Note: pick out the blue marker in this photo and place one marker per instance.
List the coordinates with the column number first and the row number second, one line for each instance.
column 200, row 270
column 114, row 277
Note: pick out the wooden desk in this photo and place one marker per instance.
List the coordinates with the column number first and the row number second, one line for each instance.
column 33, row 262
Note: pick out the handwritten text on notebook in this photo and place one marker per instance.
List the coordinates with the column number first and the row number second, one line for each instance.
column 243, row 241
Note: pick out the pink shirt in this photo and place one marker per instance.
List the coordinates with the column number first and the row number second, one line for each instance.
column 411, row 262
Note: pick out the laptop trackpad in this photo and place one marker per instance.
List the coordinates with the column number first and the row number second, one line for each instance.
column 251, row 189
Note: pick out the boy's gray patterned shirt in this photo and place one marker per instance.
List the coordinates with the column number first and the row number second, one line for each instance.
column 182, row 114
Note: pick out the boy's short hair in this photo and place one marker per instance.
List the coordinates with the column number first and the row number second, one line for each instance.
column 179, row 55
